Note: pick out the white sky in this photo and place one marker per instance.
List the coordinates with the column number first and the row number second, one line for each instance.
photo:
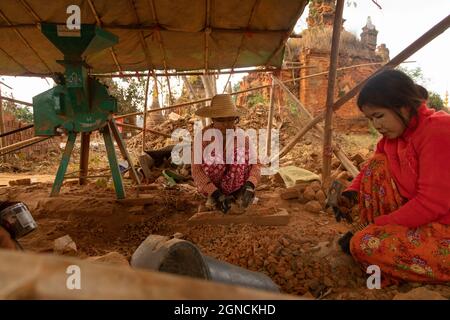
column 399, row 23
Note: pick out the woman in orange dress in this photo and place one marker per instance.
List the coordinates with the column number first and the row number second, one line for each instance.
column 403, row 191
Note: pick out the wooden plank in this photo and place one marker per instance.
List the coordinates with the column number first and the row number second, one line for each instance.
column 218, row 218
column 142, row 200
column 146, row 162
column 26, row 275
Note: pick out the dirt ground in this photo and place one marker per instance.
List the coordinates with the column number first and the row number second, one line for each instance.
column 301, row 257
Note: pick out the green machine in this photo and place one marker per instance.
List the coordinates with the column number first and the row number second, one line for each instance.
column 80, row 103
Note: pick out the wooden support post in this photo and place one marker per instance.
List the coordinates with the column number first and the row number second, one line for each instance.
column 84, row 156
column 123, row 150
column 270, row 119
column 2, row 125
column 327, row 147
column 144, row 129
column 209, row 93
column 405, row 54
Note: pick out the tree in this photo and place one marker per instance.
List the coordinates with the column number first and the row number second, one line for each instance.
column 130, row 93
column 21, row 113
column 435, row 101
column 415, row 73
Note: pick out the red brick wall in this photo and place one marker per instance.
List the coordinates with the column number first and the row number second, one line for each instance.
column 12, row 123
column 313, row 90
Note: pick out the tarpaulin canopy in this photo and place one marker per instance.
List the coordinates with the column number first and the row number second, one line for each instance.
column 153, row 34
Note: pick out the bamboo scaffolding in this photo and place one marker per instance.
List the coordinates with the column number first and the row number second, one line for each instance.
column 336, row 149
column 427, row 37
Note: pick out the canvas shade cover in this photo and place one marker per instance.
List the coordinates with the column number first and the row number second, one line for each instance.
column 176, row 35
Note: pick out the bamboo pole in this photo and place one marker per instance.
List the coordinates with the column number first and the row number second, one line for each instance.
column 144, row 129
column 22, row 144
column 155, row 27
column 189, row 87
column 25, row 42
column 248, row 90
column 327, row 139
column 163, row 74
column 16, row 101
column 15, row 130
column 99, row 23
column 2, row 125
column 27, row 71
column 270, row 118
column 207, row 32
column 148, row 56
column 406, row 53
column 126, row 125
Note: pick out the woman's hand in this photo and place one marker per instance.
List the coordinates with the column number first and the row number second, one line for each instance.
column 5, row 240
column 247, row 194
column 223, row 202
column 346, row 201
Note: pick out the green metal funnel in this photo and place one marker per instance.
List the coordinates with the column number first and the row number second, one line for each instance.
column 77, row 44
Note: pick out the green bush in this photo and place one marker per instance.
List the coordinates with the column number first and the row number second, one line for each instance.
column 254, row 99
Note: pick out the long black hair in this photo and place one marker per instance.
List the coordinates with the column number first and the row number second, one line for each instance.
column 391, row 89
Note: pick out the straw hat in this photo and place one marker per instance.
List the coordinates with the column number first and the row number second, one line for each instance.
column 222, row 106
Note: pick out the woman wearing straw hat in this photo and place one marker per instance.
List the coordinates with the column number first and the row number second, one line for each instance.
column 221, row 181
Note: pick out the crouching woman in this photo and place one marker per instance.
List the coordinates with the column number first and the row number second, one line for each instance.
column 403, row 191
column 223, row 181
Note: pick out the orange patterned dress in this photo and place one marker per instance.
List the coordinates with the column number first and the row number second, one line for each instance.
column 419, row 254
